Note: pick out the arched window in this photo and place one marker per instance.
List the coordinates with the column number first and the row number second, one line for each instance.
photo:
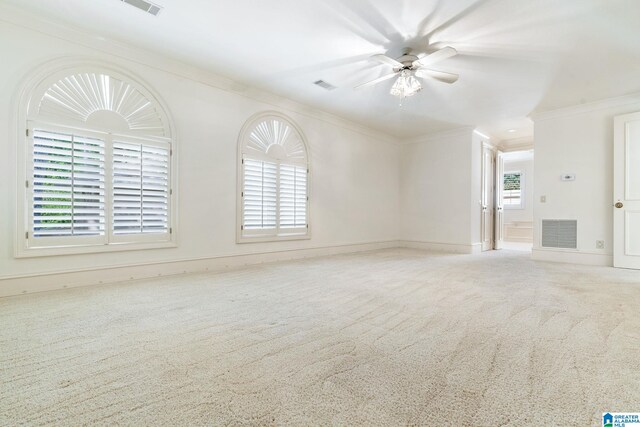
column 273, row 180
column 98, row 163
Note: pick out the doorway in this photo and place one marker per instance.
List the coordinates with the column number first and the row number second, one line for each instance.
column 514, row 200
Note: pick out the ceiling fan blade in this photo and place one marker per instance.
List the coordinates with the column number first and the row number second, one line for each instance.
column 384, row 59
column 437, row 56
column 437, row 75
column 376, row 81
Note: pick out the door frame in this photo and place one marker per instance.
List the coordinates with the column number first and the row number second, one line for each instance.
column 629, row 206
column 498, row 222
column 487, row 197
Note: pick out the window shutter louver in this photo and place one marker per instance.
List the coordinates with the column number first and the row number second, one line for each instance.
column 259, row 195
column 155, row 189
column 293, row 196
column 140, row 188
column 68, row 185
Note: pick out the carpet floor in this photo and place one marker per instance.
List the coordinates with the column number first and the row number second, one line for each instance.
column 392, row 337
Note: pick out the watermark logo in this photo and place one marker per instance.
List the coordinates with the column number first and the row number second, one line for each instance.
column 621, row 419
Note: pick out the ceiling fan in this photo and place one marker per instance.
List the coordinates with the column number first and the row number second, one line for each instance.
column 410, row 66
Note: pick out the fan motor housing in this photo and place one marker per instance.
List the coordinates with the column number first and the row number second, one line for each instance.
column 407, row 61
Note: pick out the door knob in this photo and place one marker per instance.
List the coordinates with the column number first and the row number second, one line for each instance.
column 618, row 205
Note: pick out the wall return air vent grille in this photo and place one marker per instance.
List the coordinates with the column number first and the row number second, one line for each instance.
column 560, row 233
column 145, row 6
column 324, row 85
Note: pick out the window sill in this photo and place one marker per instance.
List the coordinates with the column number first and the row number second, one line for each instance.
column 43, row 251
column 272, row 238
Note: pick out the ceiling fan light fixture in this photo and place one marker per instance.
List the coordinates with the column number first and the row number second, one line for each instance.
column 406, row 85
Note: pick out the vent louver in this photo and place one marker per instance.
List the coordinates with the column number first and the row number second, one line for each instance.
column 559, row 233
column 324, row 85
column 144, row 6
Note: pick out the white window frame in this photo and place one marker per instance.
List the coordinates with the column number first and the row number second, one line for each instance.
column 277, row 234
column 522, row 187
column 27, row 120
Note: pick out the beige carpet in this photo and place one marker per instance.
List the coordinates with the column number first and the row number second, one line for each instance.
column 394, row 337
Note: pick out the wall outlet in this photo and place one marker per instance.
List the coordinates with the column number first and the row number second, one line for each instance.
column 543, row 199
column 599, row 244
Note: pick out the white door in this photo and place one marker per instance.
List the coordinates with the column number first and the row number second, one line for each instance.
column 626, row 191
column 488, row 176
column 499, row 223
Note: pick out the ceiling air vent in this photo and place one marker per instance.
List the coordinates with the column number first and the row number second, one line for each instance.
column 144, row 5
column 324, row 85
column 560, row 233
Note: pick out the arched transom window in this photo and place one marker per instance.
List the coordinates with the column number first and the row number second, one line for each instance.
column 274, row 180
column 99, row 161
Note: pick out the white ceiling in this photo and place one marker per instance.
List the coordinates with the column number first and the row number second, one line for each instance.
column 515, row 56
column 517, row 156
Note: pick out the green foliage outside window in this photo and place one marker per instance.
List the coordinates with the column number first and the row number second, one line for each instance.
column 512, row 181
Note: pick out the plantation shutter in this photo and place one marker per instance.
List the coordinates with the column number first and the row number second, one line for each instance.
column 274, row 176
column 140, row 188
column 259, row 195
column 68, row 193
column 293, row 196
column 95, row 165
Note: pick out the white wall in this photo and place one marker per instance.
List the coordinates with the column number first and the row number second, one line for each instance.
column 355, row 171
column 578, row 140
column 526, row 212
column 440, row 192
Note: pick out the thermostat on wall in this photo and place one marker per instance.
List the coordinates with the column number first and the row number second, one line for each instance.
column 568, row 176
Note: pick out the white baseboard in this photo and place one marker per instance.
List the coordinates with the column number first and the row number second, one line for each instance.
column 572, row 257
column 69, row 279
column 442, row 247
column 476, row 248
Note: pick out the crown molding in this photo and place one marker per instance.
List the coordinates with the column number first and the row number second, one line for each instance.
column 431, row 137
column 486, row 136
column 618, row 101
column 15, row 16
